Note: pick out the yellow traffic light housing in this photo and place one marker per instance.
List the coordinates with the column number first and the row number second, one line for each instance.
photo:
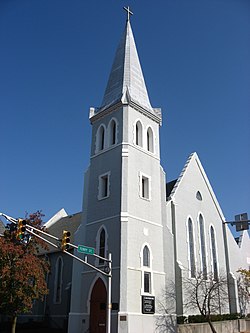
column 65, row 240
column 21, row 228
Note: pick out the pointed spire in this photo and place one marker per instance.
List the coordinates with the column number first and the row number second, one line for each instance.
column 126, row 77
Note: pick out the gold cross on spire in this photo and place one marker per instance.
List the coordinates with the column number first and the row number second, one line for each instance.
column 128, row 12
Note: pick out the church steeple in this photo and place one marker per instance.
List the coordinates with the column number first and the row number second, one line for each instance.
column 126, row 85
column 124, row 196
column 126, row 79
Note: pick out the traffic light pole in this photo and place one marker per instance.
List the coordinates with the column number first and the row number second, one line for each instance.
column 30, row 229
column 86, row 263
column 46, row 240
column 109, row 276
column 109, row 303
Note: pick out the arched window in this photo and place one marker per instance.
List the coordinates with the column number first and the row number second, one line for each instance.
column 112, row 132
column 102, row 245
column 191, row 248
column 199, row 196
column 147, row 283
column 203, row 247
column 138, row 134
column 214, row 253
column 150, row 140
column 100, row 138
column 58, row 280
column 146, row 256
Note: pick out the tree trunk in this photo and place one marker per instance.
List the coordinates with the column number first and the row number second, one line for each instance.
column 210, row 324
column 13, row 324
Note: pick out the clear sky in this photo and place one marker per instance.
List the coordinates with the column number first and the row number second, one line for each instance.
column 55, row 58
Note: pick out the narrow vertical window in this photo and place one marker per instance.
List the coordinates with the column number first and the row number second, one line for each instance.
column 191, row 247
column 102, row 138
column 138, row 133
column 203, row 247
column 102, row 245
column 58, row 280
column 146, row 257
column 214, row 253
column 150, row 140
column 103, row 189
column 146, row 270
column 144, row 187
column 104, row 186
column 147, row 282
column 113, row 132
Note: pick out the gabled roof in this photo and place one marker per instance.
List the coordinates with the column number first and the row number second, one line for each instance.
column 177, row 182
column 69, row 223
column 60, row 214
column 193, row 158
column 60, row 222
column 169, row 187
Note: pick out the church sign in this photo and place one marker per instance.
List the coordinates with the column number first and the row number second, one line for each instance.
column 148, row 304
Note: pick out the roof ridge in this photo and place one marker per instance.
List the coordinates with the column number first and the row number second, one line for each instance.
column 183, row 171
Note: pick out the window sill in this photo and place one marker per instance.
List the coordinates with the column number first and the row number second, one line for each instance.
column 146, row 199
column 103, row 198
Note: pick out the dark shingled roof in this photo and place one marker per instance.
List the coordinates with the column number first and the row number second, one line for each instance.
column 69, row 223
column 169, row 187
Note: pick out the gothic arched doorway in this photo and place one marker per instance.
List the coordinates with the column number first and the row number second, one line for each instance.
column 98, row 300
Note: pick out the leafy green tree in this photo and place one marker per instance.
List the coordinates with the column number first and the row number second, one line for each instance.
column 22, row 271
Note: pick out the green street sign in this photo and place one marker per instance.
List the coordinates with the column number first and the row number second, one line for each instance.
column 85, row 249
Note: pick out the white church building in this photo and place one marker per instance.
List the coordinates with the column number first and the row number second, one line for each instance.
column 156, row 232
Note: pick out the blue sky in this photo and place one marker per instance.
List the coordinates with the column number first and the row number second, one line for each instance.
column 55, row 58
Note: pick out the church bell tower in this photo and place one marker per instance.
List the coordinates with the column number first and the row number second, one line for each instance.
column 123, row 206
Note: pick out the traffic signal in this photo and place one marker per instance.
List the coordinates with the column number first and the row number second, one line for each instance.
column 65, row 240
column 21, row 228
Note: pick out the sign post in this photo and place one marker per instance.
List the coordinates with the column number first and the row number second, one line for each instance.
column 109, row 303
